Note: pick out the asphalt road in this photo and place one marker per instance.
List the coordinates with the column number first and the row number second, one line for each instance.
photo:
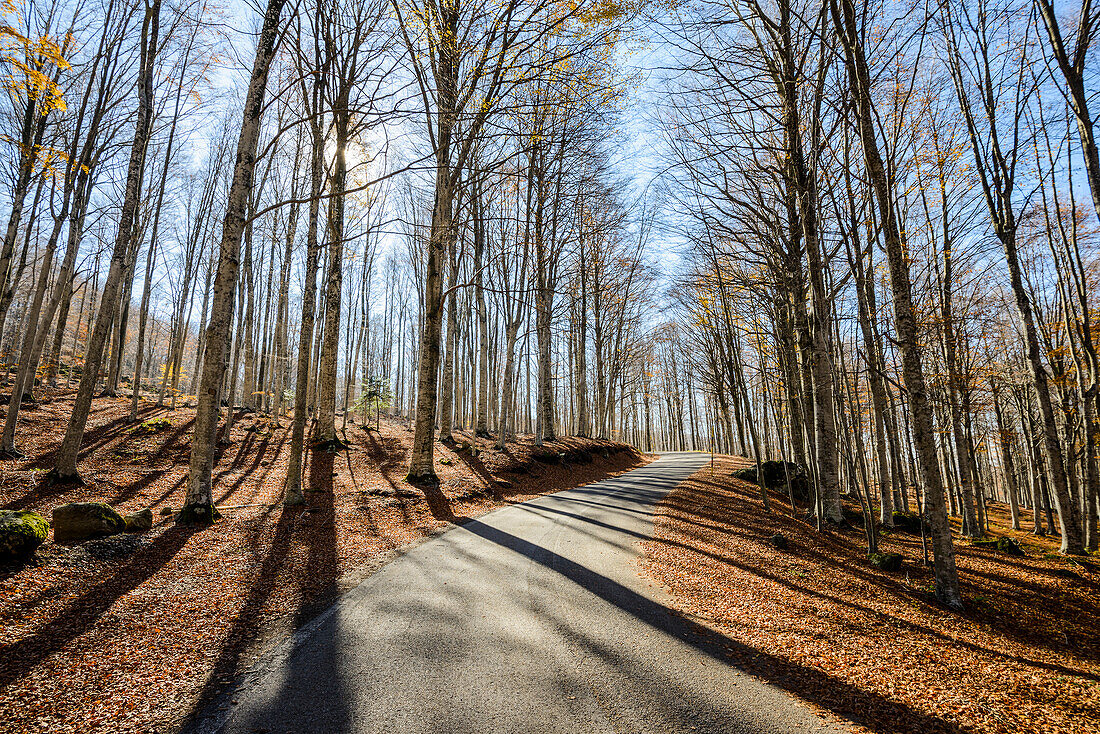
column 530, row 619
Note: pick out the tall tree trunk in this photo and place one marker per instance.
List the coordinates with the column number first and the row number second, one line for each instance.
column 65, row 460
column 31, row 131
column 28, row 354
column 282, row 310
column 199, row 504
column 1006, row 440
column 947, row 579
column 581, row 338
column 866, row 306
column 482, row 423
column 422, row 458
column 957, row 391
column 447, row 400
column 1068, row 515
column 325, row 435
column 293, row 485
column 507, row 401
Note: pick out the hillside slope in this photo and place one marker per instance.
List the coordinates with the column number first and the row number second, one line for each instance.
column 873, row 647
column 129, row 633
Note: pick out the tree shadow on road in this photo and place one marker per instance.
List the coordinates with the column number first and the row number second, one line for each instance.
column 844, row 700
column 312, row 525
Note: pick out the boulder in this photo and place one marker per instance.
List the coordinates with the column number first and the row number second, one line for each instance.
column 776, row 474
column 546, row 456
column 800, row 487
column 139, row 522
column 80, row 520
column 28, row 399
column 909, row 522
column 151, row 426
column 21, row 532
column 886, row 561
column 779, row 541
column 1005, row 545
column 852, row 516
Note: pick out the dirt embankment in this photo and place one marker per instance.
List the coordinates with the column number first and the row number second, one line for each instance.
column 130, row 633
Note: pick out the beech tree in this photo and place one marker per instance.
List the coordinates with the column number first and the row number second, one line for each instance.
column 65, row 462
column 199, row 506
column 862, row 256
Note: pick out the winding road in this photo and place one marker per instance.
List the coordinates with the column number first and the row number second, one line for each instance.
column 531, row 619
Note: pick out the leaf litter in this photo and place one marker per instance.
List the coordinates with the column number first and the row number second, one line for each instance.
column 872, row 648
column 132, row 633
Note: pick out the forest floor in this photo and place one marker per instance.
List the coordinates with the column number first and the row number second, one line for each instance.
column 132, row 633
column 874, row 647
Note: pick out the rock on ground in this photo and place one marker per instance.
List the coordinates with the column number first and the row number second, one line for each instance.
column 80, row 520
column 21, row 532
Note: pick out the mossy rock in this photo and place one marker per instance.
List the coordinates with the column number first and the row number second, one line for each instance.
column 139, row 522
column 545, row 456
column 1005, row 545
column 21, row 532
column 151, row 426
column 28, row 399
column 852, row 516
column 776, row 474
column 889, row 562
column 80, row 520
column 909, row 522
column 800, row 487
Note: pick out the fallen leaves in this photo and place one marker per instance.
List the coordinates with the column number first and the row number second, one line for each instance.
column 869, row 646
column 131, row 633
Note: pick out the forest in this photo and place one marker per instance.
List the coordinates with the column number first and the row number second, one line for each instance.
column 325, row 252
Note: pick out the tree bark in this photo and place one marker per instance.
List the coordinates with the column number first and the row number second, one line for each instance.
column 199, row 504
column 66, row 458
column 293, row 482
column 947, row 579
column 446, row 69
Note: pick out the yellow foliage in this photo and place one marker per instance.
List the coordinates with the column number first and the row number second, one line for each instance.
column 27, row 61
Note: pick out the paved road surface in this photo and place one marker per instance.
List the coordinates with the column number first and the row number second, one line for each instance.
column 532, row 619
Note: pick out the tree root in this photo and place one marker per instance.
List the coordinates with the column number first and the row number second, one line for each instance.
column 199, row 514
